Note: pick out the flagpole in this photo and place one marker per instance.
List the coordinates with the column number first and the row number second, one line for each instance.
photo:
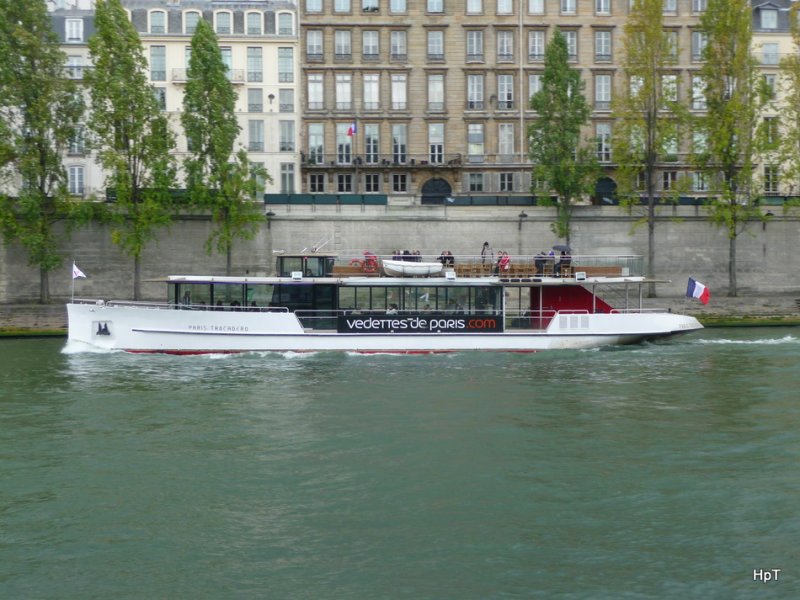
column 72, row 296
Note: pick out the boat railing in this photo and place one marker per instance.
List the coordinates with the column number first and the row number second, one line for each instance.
column 529, row 319
column 518, row 265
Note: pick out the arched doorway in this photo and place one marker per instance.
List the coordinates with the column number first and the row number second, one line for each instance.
column 435, row 190
column 605, row 191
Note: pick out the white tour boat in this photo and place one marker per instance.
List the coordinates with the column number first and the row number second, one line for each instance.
column 314, row 305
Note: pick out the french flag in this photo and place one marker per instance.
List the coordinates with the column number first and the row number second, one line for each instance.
column 352, row 130
column 698, row 290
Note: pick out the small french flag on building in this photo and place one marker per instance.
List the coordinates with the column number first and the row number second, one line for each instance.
column 698, row 290
column 352, row 130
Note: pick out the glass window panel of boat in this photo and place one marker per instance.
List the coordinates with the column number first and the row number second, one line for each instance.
column 259, row 295
column 379, row 298
column 196, row 294
column 347, row 298
column 228, row 295
column 486, row 299
column 424, row 300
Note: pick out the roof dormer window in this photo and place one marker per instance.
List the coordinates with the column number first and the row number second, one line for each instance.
column 254, row 23
column 158, row 21
column 190, row 21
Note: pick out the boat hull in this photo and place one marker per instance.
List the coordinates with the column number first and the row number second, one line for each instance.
column 170, row 330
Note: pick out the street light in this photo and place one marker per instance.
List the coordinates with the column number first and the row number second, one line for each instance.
column 269, row 214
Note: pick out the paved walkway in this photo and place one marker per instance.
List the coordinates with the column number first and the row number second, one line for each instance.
column 37, row 317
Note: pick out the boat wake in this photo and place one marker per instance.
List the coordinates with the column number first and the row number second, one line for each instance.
column 76, row 347
column 787, row 339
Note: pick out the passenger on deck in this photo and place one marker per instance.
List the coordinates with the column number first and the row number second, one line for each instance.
column 487, row 252
column 392, row 309
column 539, row 261
column 447, row 258
column 564, row 261
column 503, row 263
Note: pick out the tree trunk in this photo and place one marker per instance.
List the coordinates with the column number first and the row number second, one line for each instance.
column 229, row 259
column 732, row 268
column 44, row 286
column 137, row 278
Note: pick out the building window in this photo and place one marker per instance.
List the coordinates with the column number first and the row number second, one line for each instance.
column 771, row 179
column 436, row 92
column 669, row 147
column 435, row 6
column 344, row 144
column 670, row 6
column 602, row 92
column 190, row 20
column 316, row 100
column 699, row 142
column 316, row 183
column 769, row 18
column 341, row 6
column 699, row 182
column 399, row 182
column 343, row 48
column 572, row 43
column 672, row 45
column 476, row 182
column 436, row 143
column 75, row 180
column 397, row 6
column 344, row 91
column 474, row 92
column 769, row 54
column 344, row 183
column 399, row 92
column 536, row 7
column 475, row 143
column 436, row 45
column 222, row 23
column 769, row 80
column 668, row 180
column 371, row 144
column 399, row 50
column 314, row 45
column 505, row 142
column 567, row 7
column 313, row 6
column 316, row 144
column 370, row 45
column 286, row 101
column 505, row 7
column 372, row 183
column 255, row 100
column 602, row 134
column 698, row 93
column 771, row 131
column 255, row 67
column 505, row 46
column 669, row 89
column 399, row 143
column 287, row 178
column 534, row 84
column 474, row 6
column 158, row 63
column 255, row 129
column 699, row 42
column 369, row 6
column 505, row 92
column 77, row 144
column 536, row 44
column 475, row 45
column 158, row 22
column 602, row 7
column 506, row 182
column 371, row 85
column 699, row 6
column 286, row 129
column 74, row 30
column 286, row 65
column 227, row 60
column 285, row 24
column 602, row 46
column 161, row 97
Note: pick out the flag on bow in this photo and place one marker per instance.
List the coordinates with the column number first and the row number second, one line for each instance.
column 76, row 272
column 698, row 290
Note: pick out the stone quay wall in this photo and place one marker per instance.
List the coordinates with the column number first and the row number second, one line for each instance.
column 686, row 242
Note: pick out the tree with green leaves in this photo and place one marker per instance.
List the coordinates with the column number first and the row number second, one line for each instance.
column 218, row 178
column 648, row 115
column 788, row 143
column 40, row 112
column 131, row 134
column 729, row 126
column 563, row 163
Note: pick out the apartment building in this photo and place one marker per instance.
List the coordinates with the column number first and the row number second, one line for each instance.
column 258, row 39
column 429, row 99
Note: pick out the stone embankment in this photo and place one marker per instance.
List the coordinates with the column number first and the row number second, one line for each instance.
column 36, row 319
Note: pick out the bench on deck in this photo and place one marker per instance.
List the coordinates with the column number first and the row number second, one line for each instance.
column 351, row 271
column 595, row 271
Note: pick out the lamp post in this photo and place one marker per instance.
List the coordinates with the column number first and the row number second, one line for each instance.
column 523, row 215
column 269, row 214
